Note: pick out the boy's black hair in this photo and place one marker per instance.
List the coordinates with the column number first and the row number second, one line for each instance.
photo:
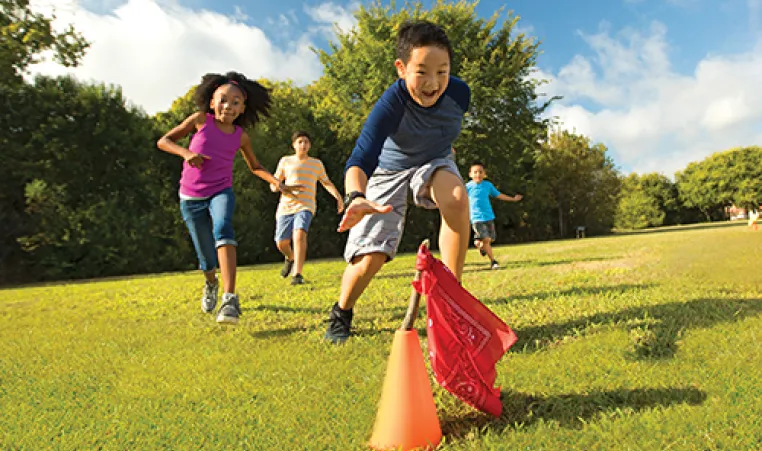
column 256, row 96
column 420, row 34
column 299, row 134
column 476, row 163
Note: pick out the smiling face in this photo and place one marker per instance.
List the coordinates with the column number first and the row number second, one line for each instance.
column 477, row 173
column 228, row 103
column 426, row 73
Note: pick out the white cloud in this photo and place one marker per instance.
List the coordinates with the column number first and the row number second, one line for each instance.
column 157, row 49
column 628, row 97
column 330, row 15
column 239, row 14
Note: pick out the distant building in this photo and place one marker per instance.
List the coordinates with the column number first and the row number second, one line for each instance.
column 734, row 213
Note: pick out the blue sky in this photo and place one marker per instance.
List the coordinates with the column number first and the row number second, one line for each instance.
column 660, row 82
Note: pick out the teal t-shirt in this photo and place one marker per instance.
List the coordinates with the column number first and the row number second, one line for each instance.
column 479, row 195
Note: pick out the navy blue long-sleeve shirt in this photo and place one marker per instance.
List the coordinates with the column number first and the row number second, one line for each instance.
column 400, row 134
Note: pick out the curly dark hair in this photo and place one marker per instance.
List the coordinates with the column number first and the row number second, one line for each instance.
column 412, row 35
column 256, row 96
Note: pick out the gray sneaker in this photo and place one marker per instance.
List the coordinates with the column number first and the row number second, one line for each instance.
column 230, row 309
column 209, row 300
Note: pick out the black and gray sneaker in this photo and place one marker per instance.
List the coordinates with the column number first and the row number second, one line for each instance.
column 209, row 299
column 230, row 309
column 339, row 325
column 297, row 280
column 286, row 270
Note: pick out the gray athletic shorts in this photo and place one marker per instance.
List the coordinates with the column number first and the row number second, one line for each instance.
column 484, row 229
column 382, row 232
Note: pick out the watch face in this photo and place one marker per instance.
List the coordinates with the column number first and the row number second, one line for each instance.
column 352, row 196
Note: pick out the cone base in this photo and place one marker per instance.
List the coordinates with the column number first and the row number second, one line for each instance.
column 407, row 416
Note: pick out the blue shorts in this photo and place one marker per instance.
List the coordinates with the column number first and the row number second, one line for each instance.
column 285, row 225
column 210, row 223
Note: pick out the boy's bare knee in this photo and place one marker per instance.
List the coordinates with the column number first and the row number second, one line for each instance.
column 300, row 234
column 455, row 201
column 283, row 244
column 369, row 261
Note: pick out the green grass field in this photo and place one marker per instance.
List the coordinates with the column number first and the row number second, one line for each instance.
column 645, row 341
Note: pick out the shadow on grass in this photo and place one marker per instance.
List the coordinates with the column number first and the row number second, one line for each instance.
column 514, row 264
column 569, row 410
column 666, row 322
column 276, row 333
column 373, row 332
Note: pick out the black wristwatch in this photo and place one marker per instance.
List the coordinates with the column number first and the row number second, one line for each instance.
column 352, row 196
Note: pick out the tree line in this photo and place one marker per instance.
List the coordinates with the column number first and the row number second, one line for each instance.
column 89, row 195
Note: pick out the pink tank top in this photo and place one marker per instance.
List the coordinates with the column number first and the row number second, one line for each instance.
column 215, row 174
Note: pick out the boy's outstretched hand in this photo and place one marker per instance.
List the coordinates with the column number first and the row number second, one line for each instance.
column 357, row 210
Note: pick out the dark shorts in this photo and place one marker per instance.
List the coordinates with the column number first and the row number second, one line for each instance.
column 484, row 230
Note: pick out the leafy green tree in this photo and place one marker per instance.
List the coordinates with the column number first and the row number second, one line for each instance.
column 577, row 182
column 744, row 168
column 638, row 206
column 724, row 178
column 665, row 194
column 25, row 37
column 90, row 199
column 698, row 188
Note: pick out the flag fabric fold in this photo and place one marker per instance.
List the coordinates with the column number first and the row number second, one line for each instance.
column 465, row 338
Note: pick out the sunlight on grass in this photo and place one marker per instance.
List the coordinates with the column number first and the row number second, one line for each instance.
column 637, row 341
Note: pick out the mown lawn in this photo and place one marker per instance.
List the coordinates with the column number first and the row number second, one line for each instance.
column 640, row 341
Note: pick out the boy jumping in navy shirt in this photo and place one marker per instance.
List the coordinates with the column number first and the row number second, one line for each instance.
column 405, row 146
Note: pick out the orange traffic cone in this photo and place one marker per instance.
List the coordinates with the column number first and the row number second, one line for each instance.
column 407, row 417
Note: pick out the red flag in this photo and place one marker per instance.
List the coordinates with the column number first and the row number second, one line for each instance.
column 465, row 338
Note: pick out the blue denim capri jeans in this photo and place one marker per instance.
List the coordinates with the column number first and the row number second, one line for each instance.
column 210, row 223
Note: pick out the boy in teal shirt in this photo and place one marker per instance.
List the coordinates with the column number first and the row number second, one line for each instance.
column 482, row 217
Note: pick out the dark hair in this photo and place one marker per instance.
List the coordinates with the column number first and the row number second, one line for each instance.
column 420, row 34
column 256, row 97
column 477, row 163
column 299, row 134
